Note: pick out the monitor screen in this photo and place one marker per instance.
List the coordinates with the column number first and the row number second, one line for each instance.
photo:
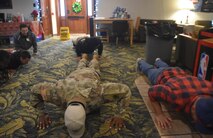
column 6, row 4
column 203, row 6
column 2, row 17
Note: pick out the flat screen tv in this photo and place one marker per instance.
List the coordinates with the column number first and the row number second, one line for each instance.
column 203, row 5
column 6, row 4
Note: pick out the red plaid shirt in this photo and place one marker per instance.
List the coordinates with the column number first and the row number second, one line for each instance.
column 178, row 89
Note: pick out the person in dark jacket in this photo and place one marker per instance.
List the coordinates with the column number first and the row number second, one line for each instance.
column 88, row 45
column 4, row 61
column 24, row 39
column 18, row 58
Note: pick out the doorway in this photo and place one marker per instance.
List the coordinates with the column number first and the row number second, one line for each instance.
column 46, row 17
column 75, row 15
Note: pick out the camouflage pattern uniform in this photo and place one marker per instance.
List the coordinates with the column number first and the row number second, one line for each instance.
column 84, row 82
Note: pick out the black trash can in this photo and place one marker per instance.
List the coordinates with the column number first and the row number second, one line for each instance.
column 159, row 41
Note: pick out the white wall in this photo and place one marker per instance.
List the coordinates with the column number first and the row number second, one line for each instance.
column 24, row 7
column 151, row 9
column 172, row 11
column 148, row 9
column 134, row 8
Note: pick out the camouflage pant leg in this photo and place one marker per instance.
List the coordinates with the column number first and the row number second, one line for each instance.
column 82, row 64
column 95, row 65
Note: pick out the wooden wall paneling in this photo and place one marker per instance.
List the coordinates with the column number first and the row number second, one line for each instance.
column 46, row 17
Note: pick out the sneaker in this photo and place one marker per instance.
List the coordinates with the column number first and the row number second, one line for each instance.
column 95, row 53
column 157, row 59
column 84, row 56
column 96, row 56
column 137, row 65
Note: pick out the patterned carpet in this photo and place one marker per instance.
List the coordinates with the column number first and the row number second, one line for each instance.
column 55, row 60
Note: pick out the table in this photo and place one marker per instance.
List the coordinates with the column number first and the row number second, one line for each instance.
column 9, row 29
column 110, row 20
column 186, row 44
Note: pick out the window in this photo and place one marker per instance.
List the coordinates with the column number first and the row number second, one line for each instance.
column 62, row 7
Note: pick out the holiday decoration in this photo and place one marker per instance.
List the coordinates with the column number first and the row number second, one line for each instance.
column 34, row 13
column 76, row 7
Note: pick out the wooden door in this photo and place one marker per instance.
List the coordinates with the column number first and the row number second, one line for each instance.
column 76, row 21
column 46, row 17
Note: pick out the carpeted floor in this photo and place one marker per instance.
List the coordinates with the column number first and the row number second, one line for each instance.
column 55, row 60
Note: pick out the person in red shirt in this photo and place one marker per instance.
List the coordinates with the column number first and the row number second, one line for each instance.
column 183, row 92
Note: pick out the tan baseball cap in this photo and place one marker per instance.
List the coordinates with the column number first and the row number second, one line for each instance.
column 74, row 118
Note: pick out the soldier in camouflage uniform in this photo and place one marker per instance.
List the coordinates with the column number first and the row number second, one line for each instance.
column 83, row 87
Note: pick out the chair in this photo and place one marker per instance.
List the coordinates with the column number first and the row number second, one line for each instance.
column 104, row 34
column 120, row 29
column 139, row 31
column 137, row 24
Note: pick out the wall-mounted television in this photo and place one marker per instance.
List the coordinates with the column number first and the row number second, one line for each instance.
column 6, row 4
column 203, row 5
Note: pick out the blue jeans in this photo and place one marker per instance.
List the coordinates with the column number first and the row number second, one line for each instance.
column 151, row 71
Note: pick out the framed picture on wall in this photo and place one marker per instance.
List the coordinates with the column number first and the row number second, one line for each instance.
column 6, row 4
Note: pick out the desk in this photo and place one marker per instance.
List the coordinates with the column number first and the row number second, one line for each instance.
column 186, row 47
column 109, row 21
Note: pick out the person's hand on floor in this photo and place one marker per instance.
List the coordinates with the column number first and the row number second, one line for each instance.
column 43, row 92
column 78, row 58
column 34, row 54
column 116, row 123
column 44, row 121
column 163, row 121
column 11, row 73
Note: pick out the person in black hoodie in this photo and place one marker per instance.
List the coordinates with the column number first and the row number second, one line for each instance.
column 4, row 61
column 24, row 39
column 87, row 45
column 18, row 58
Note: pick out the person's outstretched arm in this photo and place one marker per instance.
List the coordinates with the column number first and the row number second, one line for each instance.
column 157, row 94
column 39, row 97
column 16, row 38
column 100, row 48
column 34, row 43
column 118, row 96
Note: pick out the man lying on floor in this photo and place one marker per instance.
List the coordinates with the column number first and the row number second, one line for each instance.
column 87, row 45
column 182, row 92
column 10, row 62
column 4, row 62
column 82, row 92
